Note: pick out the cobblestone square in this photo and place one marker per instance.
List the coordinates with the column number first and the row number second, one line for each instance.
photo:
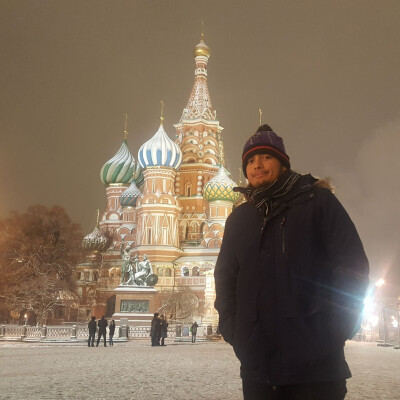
column 135, row 370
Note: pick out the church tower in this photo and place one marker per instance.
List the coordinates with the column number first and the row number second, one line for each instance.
column 199, row 137
column 157, row 207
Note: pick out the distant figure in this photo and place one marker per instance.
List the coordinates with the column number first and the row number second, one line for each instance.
column 164, row 329
column 194, row 331
column 111, row 330
column 155, row 330
column 92, row 331
column 102, row 324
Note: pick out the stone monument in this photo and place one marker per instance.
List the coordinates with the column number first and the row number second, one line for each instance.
column 135, row 296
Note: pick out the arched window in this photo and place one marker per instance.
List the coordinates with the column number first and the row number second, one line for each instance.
column 185, row 271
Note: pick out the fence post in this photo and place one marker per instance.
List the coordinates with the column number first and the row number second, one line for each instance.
column 3, row 330
column 24, row 329
column 44, row 332
column 73, row 333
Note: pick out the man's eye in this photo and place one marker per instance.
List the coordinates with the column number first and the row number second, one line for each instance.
column 267, row 157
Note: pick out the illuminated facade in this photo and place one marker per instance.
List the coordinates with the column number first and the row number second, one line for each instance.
column 171, row 203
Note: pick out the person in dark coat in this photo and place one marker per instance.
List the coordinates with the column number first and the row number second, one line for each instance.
column 290, row 280
column 155, row 330
column 102, row 324
column 193, row 329
column 111, row 331
column 92, row 331
column 164, row 330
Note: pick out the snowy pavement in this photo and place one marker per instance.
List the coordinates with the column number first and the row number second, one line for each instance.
column 135, row 370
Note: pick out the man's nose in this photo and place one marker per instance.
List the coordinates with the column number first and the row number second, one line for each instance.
column 257, row 162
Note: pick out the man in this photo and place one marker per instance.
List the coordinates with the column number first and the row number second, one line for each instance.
column 155, row 330
column 102, row 324
column 92, row 331
column 193, row 329
column 290, row 280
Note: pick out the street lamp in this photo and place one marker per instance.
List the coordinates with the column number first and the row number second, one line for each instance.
column 26, row 318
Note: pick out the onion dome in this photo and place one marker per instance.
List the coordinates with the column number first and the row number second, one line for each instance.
column 161, row 151
column 202, row 49
column 138, row 176
column 129, row 196
column 120, row 168
column 95, row 241
column 220, row 188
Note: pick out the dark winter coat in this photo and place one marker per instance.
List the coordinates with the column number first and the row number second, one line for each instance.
column 155, row 329
column 194, row 329
column 111, row 329
column 289, row 289
column 164, row 328
column 92, row 326
column 102, row 324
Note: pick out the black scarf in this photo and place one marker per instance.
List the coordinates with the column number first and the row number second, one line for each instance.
column 268, row 197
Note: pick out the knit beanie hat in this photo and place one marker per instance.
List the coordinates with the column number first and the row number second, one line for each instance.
column 265, row 140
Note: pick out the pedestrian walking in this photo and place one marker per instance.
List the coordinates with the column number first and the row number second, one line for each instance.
column 193, row 329
column 102, row 324
column 155, row 330
column 111, row 331
column 290, row 279
column 92, row 331
column 164, row 329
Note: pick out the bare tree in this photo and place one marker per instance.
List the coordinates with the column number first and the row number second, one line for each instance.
column 39, row 251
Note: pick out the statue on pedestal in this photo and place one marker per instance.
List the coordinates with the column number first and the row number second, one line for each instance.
column 135, row 272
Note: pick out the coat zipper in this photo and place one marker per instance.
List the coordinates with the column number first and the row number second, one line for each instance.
column 283, row 221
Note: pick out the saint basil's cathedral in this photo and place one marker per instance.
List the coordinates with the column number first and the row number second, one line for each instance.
column 169, row 204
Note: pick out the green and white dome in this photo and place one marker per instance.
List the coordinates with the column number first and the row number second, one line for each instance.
column 120, row 168
column 220, row 188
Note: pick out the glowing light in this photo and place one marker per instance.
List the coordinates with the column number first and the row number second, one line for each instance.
column 380, row 282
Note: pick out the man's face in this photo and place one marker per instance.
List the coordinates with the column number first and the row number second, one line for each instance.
column 263, row 169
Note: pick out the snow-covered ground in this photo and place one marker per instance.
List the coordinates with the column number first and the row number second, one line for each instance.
column 135, row 370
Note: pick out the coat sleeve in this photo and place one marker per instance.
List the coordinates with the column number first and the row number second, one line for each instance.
column 225, row 274
column 349, row 263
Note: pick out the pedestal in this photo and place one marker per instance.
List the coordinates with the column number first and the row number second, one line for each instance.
column 134, row 305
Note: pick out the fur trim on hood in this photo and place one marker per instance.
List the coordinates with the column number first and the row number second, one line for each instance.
column 325, row 183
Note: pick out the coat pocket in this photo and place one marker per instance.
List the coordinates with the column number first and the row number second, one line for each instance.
column 308, row 339
column 247, row 344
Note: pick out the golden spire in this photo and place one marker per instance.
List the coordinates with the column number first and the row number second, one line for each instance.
column 98, row 217
column 260, row 115
column 162, row 112
column 202, row 49
column 126, row 124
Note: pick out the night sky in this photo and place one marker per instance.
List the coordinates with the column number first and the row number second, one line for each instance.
column 326, row 75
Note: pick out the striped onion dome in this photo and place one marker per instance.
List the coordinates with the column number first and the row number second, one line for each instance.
column 160, row 150
column 129, row 196
column 95, row 241
column 120, row 168
column 220, row 187
column 138, row 176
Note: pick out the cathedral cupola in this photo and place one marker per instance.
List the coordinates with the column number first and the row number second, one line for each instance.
column 95, row 241
column 202, row 49
column 220, row 188
column 129, row 196
column 120, row 168
column 160, row 150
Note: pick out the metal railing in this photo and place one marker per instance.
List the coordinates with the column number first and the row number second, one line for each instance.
column 80, row 333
